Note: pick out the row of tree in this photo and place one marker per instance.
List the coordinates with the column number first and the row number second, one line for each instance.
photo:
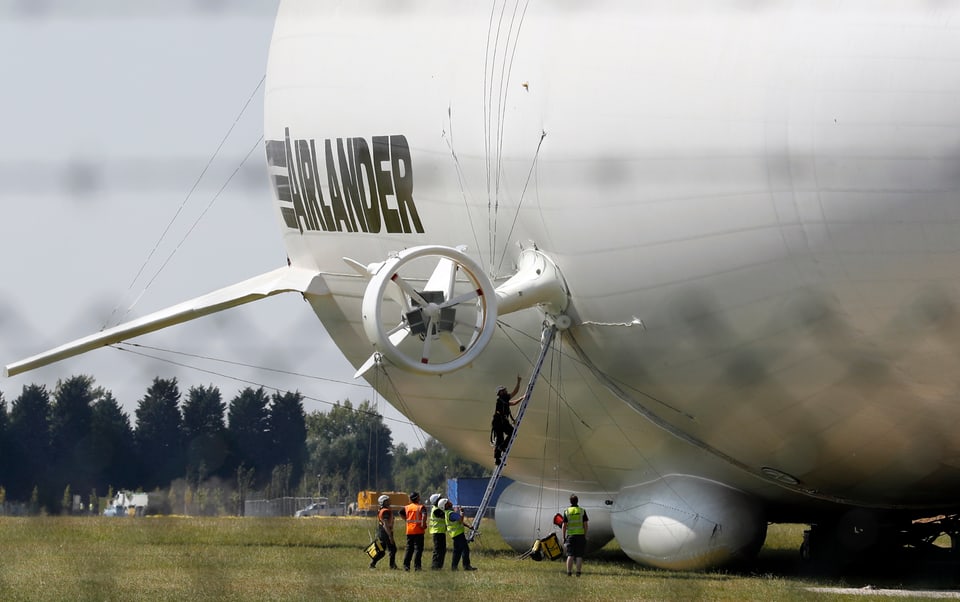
column 78, row 438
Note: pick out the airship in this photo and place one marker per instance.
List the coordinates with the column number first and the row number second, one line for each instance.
column 738, row 221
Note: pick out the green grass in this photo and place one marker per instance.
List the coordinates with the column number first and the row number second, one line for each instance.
column 196, row 559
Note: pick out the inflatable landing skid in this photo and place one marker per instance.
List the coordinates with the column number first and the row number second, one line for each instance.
column 546, row 338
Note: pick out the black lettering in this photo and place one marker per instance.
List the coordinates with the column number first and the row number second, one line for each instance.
column 403, row 182
column 336, row 198
column 381, row 155
column 298, row 209
column 282, row 186
column 365, row 175
column 277, row 153
column 277, row 158
column 349, row 185
column 308, row 191
column 369, row 184
column 323, row 207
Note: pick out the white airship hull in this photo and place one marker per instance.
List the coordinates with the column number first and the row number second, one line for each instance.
column 755, row 211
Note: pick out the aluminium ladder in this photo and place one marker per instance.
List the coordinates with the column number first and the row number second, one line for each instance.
column 546, row 338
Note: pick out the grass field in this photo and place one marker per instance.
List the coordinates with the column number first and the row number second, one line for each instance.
column 196, row 559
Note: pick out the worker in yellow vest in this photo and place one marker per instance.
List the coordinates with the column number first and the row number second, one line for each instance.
column 456, row 528
column 574, row 534
column 437, row 526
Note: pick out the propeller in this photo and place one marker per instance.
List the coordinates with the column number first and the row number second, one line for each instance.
column 428, row 324
column 440, row 323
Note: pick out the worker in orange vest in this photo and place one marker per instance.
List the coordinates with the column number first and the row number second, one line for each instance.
column 416, row 515
column 385, row 533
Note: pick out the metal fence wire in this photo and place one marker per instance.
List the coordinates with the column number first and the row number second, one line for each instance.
column 287, row 506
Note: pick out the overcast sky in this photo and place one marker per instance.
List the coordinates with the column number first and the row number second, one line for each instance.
column 109, row 116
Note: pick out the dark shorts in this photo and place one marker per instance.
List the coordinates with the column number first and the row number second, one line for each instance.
column 576, row 545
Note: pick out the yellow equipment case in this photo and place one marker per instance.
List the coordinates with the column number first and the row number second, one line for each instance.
column 374, row 548
column 550, row 546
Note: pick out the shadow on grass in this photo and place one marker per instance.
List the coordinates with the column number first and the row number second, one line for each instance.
column 905, row 570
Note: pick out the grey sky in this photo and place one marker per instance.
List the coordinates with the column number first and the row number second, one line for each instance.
column 109, row 117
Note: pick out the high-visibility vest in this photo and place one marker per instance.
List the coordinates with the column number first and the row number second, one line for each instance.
column 574, row 516
column 415, row 515
column 437, row 524
column 454, row 528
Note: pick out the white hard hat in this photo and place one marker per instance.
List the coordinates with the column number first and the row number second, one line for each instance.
column 383, row 499
column 434, row 498
column 443, row 502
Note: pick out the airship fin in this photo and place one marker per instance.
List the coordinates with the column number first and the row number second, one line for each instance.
column 283, row 280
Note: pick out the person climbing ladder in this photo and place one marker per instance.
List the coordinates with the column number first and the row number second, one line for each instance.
column 501, row 428
column 505, row 444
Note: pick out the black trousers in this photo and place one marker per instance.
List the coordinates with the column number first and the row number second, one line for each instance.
column 502, row 431
column 387, row 546
column 461, row 549
column 439, row 550
column 414, row 551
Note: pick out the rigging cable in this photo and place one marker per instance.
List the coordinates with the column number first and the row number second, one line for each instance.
column 123, row 347
column 186, row 199
column 503, row 327
column 193, row 226
column 523, row 195
column 561, row 399
column 553, row 377
column 506, row 68
column 461, row 182
column 402, row 406
column 557, row 397
column 373, row 446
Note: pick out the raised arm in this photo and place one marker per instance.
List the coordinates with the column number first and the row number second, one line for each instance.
column 513, row 393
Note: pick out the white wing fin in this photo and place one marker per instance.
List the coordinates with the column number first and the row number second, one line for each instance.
column 396, row 337
column 282, row 280
column 443, row 278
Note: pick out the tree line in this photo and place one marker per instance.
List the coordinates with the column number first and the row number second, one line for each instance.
column 76, row 440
